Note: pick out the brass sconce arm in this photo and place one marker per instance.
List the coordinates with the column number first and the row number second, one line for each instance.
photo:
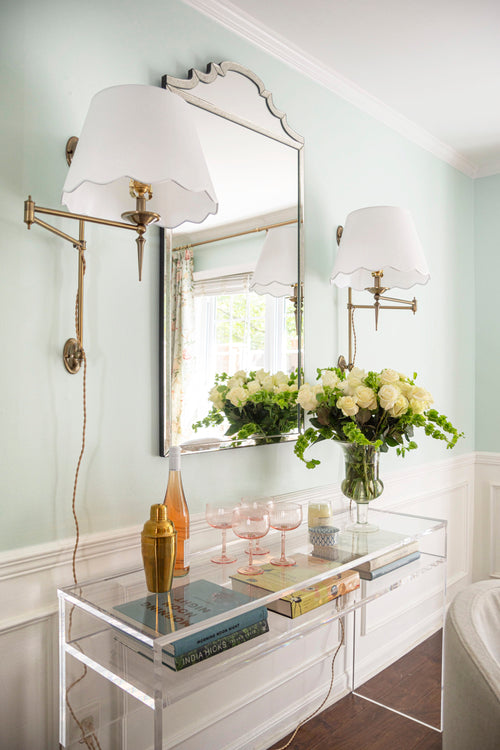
column 73, row 348
column 402, row 304
column 30, row 209
column 140, row 217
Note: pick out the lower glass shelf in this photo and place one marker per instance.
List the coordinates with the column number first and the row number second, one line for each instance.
column 128, row 662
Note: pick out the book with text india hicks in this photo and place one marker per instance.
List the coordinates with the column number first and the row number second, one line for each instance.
column 213, row 646
column 302, row 599
column 189, row 604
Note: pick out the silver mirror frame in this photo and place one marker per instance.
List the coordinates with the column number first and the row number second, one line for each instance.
column 284, row 134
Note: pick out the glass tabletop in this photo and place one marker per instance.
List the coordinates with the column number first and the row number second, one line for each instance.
column 211, row 594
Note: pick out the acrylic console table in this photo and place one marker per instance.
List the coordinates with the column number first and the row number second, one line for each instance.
column 123, row 700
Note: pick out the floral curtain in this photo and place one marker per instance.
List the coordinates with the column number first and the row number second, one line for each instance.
column 182, row 342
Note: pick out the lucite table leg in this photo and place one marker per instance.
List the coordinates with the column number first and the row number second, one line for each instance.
column 443, row 617
column 62, row 674
column 158, row 698
column 352, row 635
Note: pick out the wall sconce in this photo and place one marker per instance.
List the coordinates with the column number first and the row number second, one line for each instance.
column 277, row 270
column 378, row 245
column 138, row 159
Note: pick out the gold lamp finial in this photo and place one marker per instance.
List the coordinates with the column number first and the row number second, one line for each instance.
column 140, row 217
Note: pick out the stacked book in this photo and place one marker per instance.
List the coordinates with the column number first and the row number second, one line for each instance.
column 162, row 614
column 302, row 599
column 388, row 562
column 348, row 547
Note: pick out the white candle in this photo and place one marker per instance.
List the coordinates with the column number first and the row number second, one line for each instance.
column 318, row 514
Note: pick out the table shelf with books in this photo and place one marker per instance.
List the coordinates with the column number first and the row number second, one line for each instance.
column 113, row 625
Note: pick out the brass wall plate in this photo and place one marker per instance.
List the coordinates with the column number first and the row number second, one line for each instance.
column 71, row 144
column 72, row 356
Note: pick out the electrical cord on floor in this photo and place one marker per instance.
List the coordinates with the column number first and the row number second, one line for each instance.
column 317, row 710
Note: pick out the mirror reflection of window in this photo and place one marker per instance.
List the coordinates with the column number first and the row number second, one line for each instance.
column 236, row 329
column 228, row 326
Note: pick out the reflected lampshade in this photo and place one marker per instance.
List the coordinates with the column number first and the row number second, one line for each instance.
column 276, row 271
column 380, row 238
column 144, row 133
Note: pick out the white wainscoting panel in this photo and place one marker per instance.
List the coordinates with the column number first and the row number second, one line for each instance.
column 412, row 599
column 494, row 530
column 28, row 709
column 253, row 714
column 486, row 546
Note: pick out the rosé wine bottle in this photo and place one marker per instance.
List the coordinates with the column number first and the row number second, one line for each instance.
column 177, row 511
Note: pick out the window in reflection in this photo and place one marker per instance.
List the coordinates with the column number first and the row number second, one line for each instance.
column 236, row 329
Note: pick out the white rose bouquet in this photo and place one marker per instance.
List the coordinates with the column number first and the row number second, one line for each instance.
column 378, row 409
column 257, row 404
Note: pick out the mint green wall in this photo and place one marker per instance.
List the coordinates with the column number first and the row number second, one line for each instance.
column 54, row 56
column 229, row 253
column 487, row 251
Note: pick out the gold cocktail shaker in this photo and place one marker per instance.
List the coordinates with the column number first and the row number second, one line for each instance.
column 158, row 541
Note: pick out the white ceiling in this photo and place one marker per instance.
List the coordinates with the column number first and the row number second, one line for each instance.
column 428, row 68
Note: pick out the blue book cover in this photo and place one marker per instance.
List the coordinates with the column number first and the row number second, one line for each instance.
column 370, row 575
column 192, row 603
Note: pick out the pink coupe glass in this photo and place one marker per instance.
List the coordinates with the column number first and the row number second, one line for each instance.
column 258, row 549
column 285, row 518
column 220, row 517
column 250, row 523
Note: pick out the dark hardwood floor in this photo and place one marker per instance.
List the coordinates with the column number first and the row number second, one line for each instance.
column 410, row 685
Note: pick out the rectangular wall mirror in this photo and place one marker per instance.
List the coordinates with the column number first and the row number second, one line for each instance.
column 217, row 314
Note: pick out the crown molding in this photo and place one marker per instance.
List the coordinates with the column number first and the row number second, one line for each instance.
column 241, row 23
column 489, row 169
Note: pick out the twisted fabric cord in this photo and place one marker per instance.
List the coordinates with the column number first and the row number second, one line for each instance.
column 90, row 740
column 317, row 710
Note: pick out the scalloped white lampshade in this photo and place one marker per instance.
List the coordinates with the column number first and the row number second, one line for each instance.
column 276, row 271
column 380, row 238
column 143, row 133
